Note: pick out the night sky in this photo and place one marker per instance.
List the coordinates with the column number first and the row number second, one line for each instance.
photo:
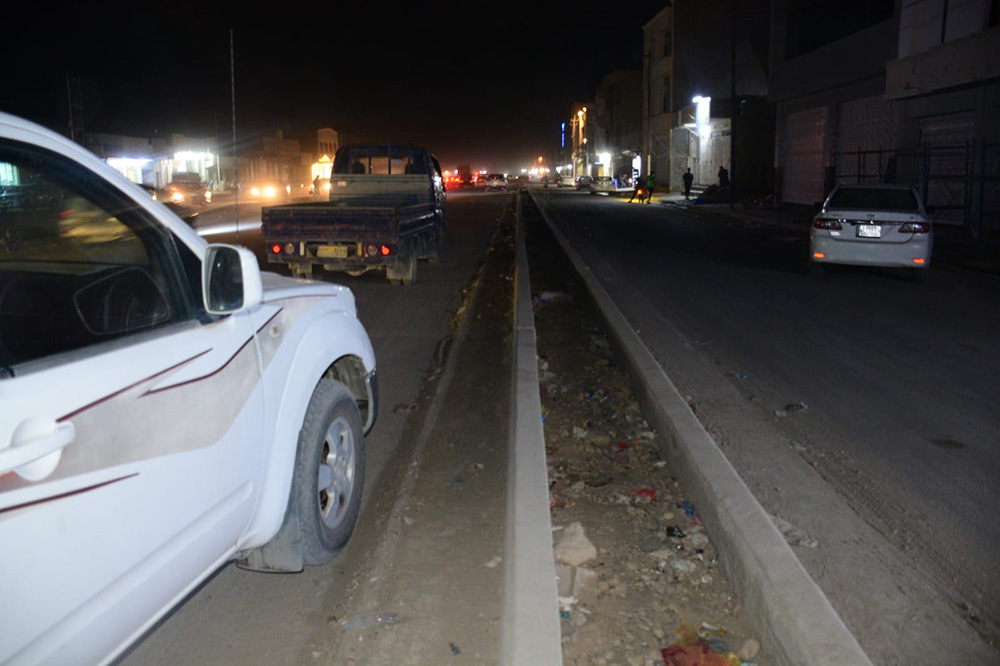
column 484, row 83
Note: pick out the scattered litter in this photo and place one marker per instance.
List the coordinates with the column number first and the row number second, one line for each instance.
column 793, row 535
column 405, row 409
column 368, row 620
column 574, row 547
column 459, row 478
column 739, row 376
column 579, row 433
column 675, row 532
column 748, row 650
column 692, row 650
column 797, row 407
column 688, row 508
column 645, row 495
column 492, row 564
column 454, row 649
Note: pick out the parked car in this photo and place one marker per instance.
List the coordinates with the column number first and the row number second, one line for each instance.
column 187, row 188
column 165, row 408
column 496, row 181
column 583, row 182
column 608, row 186
column 566, row 180
column 872, row 225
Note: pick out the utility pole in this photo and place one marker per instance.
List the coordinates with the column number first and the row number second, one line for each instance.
column 733, row 122
column 236, row 171
column 69, row 101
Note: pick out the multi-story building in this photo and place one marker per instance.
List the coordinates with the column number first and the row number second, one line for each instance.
column 618, row 124
column 879, row 90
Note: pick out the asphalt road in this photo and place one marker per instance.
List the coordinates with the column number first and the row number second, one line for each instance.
column 239, row 617
column 860, row 406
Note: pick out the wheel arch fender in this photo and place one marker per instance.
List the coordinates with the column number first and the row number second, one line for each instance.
column 335, row 346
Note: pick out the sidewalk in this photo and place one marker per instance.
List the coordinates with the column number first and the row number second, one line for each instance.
column 953, row 246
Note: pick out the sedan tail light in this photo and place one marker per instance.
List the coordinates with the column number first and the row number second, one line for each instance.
column 915, row 228
column 827, row 223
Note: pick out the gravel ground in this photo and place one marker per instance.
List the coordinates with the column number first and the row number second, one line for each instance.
column 653, row 570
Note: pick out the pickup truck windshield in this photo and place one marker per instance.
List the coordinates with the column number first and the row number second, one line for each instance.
column 381, row 160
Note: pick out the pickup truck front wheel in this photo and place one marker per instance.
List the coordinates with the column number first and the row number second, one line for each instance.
column 329, row 472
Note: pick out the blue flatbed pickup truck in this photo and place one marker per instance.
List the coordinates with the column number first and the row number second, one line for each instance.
column 385, row 212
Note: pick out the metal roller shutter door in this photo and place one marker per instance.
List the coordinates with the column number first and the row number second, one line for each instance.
column 803, row 163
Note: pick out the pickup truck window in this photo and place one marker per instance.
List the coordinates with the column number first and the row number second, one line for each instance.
column 80, row 263
column 382, row 160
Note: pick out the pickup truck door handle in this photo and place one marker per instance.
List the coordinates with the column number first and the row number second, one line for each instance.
column 33, row 440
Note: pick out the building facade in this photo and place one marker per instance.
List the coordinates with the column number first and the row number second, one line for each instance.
column 913, row 98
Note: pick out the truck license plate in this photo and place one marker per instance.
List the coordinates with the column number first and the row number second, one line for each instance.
column 869, row 231
column 332, row 251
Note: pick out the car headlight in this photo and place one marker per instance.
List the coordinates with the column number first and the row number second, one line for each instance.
column 255, row 191
column 269, row 191
column 178, row 196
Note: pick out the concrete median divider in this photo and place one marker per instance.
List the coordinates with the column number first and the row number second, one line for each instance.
column 530, row 632
column 796, row 623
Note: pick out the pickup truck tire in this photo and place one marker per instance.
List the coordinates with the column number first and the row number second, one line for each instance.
column 438, row 252
column 329, row 472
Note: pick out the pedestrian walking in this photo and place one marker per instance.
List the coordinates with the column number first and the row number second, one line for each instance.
column 650, row 184
column 723, row 177
column 688, row 180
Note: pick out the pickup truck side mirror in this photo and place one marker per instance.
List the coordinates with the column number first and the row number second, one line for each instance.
column 230, row 279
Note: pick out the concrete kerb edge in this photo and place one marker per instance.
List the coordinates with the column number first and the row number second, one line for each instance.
column 530, row 634
column 796, row 622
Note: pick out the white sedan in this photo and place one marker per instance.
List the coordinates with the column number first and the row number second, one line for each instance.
column 165, row 408
column 872, row 225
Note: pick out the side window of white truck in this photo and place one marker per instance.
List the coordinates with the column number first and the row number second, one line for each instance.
column 81, row 265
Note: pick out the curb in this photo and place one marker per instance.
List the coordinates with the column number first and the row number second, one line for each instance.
column 530, row 634
column 796, row 623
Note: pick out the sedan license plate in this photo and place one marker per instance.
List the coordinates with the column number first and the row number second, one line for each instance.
column 332, row 251
column 869, row 231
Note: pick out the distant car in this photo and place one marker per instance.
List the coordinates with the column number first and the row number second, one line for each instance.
column 267, row 190
column 180, row 210
column 607, row 185
column 583, row 182
column 480, row 179
column 187, row 188
column 566, row 180
column 496, row 181
column 872, row 225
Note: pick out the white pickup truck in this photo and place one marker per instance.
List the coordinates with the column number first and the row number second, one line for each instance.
column 165, row 408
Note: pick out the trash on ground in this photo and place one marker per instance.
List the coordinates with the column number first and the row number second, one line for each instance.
column 368, row 620
column 692, row 650
column 574, row 548
column 797, row 407
column 793, row 535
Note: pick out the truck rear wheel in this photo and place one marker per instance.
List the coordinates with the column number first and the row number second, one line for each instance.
column 405, row 272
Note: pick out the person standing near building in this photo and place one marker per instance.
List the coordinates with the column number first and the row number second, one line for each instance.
column 650, row 184
column 688, row 180
column 723, row 177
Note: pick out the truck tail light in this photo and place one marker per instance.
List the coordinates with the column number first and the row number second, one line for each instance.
column 827, row 223
column 386, row 250
column 915, row 228
column 276, row 249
